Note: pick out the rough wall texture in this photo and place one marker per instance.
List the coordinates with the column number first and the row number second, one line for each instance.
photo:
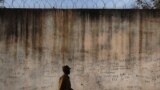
column 106, row 49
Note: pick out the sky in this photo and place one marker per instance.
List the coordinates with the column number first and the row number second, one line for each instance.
column 69, row 3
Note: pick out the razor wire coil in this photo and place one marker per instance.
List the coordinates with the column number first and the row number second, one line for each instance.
column 64, row 3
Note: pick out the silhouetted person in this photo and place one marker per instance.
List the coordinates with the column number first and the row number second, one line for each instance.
column 64, row 81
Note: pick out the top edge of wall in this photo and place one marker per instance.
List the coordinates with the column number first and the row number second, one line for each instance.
column 77, row 9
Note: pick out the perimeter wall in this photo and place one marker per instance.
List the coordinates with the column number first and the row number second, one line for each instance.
column 106, row 49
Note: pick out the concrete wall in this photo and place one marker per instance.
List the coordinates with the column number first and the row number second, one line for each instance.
column 106, row 49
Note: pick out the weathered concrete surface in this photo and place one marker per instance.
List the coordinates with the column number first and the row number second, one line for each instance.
column 106, row 49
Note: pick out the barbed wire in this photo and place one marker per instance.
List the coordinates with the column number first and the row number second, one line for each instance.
column 66, row 3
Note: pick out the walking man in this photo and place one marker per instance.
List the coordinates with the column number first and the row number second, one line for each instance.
column 64, row 81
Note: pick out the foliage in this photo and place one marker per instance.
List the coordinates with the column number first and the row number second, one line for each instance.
column 148, row 4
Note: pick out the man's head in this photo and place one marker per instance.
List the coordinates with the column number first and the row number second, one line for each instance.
column 66, row 69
